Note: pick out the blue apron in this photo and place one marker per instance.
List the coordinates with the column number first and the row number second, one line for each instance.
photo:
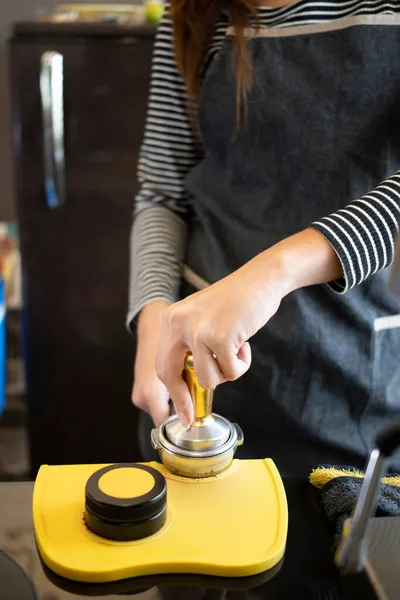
column 322, row 130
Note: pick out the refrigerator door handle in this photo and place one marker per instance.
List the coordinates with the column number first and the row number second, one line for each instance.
column 52, row 98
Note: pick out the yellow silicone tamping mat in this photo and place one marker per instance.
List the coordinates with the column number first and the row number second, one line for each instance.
column 231, row 525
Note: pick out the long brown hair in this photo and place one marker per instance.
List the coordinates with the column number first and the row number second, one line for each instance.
column 194, row 22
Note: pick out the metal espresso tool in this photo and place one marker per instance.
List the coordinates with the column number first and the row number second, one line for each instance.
column 207, row 448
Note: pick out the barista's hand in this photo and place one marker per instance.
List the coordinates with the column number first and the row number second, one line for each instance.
column 216, row 323
column 149, row 393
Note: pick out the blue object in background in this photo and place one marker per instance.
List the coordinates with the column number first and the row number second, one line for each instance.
column 3, row 347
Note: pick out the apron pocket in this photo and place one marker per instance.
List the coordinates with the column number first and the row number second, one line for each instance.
column 386, row 361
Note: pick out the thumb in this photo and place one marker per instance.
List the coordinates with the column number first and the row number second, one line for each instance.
column 158, row 405
column 159, row 413
column 150, row 395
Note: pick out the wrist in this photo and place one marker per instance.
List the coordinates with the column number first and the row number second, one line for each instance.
column 301, row 260
column 150, row 317
column 266, row 274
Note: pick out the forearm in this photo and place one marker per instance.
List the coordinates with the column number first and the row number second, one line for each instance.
column 342, row 249
column 301, row 260
column 306, row 259
column 158, row 245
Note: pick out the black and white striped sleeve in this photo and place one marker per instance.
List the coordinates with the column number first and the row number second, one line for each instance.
column 168, row 152
column 363, row 234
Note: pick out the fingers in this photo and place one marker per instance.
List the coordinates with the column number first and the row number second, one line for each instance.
column 215, row 359
column 169, row 370
column 244, row 356
column 232, row 363
column 150, row 395
column 159, row 412
column 209, row 373
column 170, row 364
column 207, row 369
column 182, row 401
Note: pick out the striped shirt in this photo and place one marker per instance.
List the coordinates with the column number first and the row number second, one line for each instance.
column 362, row 233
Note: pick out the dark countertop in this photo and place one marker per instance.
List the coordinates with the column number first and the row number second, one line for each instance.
column 307, row 572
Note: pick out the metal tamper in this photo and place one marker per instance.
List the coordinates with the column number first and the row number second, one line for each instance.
column 208, row 446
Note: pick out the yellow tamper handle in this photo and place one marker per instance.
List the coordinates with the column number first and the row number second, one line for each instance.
column 202, row 398
column 209, row 437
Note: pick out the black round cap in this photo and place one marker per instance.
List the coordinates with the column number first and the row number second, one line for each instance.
column 126, row 518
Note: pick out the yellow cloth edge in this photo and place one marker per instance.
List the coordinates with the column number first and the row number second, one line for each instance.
column 320, row 476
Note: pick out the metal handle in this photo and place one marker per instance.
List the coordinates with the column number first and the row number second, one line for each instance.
column 351, row 552
column 52, row 97
column 202, row 399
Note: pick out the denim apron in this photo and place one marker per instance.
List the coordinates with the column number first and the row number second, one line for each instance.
column 323, row 129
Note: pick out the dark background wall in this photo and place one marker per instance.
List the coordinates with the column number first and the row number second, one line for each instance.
column 10, row 11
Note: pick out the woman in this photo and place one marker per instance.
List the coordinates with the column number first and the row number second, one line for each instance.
column 268, row 169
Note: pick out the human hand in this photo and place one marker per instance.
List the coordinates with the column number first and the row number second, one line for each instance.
column 149, row 393
column 215, row 324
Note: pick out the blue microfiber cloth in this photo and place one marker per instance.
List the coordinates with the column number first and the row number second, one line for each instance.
column 339, row 490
